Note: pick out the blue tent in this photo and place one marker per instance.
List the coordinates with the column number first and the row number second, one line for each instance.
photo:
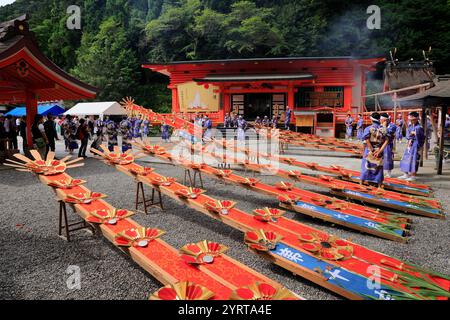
column 43, row 109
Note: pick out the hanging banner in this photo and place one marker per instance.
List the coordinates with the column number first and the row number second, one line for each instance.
column 193, row 97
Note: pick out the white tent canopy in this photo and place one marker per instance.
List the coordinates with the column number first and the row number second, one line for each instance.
column 101, row 109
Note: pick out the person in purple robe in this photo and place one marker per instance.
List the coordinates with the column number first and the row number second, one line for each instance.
column 349, row 127
column 359, row 127
column 375, row 138
column 388, row 154
column 137, row 128
column 399, row 132
column 126, row 131
column 241, row 125
column 227, row 121
column 287, row 121
column 207, row 124
column 415, row 135
column 145, row 128
column 165, row 134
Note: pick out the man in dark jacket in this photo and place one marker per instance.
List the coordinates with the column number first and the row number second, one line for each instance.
column 50, row 132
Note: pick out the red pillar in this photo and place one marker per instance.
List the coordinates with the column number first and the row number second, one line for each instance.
column 291, row 100
column 31, row 108
column 226, row 105
column 175, row 104
column 348, row 99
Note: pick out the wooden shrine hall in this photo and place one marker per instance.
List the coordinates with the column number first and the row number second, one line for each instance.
column 28, row 76
column 319, row 90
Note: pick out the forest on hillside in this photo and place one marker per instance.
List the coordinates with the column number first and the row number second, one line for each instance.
column 116, row 36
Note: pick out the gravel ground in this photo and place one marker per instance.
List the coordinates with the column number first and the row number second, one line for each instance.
column 34, row 259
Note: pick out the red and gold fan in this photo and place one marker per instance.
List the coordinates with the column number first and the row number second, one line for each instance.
column 146, row 147
column 66, row 183
column 268, row 214
column 141, row 171
column 312, row 165
column 289, row 199
column 184, row 290
column 189, row 193
column 248, row 181
column 108, row 216
column 116, row 157
column 284, row 185
column 137, row 237
column 262, row 240
column 222, row 173
column 326, row 246
column 202, row 252
column 262, row 291
column 220, row 206
column 295, row 174
column 84, row 197
column 162, row 181
column 49, row 166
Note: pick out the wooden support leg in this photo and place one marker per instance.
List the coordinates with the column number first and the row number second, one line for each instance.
column 140, row 198
column 64, row 223
column 187, row 174
column 196, row 172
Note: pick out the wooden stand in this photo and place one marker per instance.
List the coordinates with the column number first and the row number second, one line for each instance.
column 147, row 202
column 69, row 227
column 193, row 181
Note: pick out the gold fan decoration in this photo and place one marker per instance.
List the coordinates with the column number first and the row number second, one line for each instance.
column 162, row 181
column 326, row 246
column 184, row 290
column 141, row 171
column 248, row 181
column 222, row 173
column 84, row 197
column 295, row 173
column 262, row 291
column 108, row 216
column 137, row 237
column 146, row 147
column 261, row 240
column 220, row 206
column 191, row 193
column 289, row 199
column 268, row 214
column 116, row 157
column 66, row 183
column 49, row 166
column 202, row 252
column 284, row 185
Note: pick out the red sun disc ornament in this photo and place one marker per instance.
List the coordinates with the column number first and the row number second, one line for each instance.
column 262, row 291
column 261, row 240
column 138, row 237
column 108, row 216
column 202, row 252
column 182, row 291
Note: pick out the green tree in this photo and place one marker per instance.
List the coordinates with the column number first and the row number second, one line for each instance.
column 106, row 61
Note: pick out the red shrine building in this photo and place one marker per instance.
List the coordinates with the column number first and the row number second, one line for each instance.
column 319, row 90
column 27, row 76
